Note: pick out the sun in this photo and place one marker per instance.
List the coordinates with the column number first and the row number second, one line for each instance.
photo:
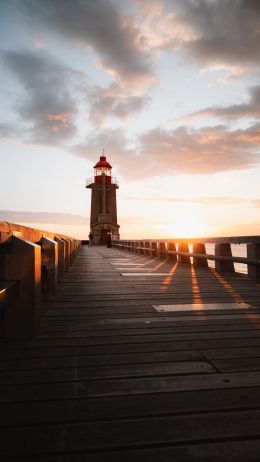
column 186, row 227
column 190, row 228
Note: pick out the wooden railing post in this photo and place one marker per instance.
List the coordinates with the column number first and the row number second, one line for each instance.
column 67, row 253
column 49, row 267
column 172, row 258
column 222, row 266
column 154, row 248
column 20, row 260
column 162, row 250
column 61, row 257
column 183, row 247
column 141, row 251
column 72, row 249
column 253, row 252
column 147, row 245
column 197, row 261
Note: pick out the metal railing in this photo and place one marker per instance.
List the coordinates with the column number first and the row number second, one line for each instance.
column 91, row 180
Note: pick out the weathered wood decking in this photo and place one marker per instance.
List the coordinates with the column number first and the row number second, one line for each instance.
column 110, row 378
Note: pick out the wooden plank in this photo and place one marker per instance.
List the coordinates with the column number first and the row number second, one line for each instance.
column 106, row 372
column 126, row 387
column 117, row 407
column 129, row 348
column 109, row 376
column 221, row 451
column 228, row 353
column 134, row 433
column 107, row 360
column 237, row 364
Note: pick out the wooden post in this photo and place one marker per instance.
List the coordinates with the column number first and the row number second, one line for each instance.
column 162, row 250
column 172, row 258
column 141, row 251
column 61, row 257
column 136, row 244
column 21, row 261
column 253, row 252
column 72, row 251
column 183, row 247
column 147, row 245
column 224, row 250
column 197, row 261
column 67, row 256
column 70, row 255
column 49, row 267
column 155, row 248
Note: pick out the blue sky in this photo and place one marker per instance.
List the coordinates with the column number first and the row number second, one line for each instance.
column 169, row 88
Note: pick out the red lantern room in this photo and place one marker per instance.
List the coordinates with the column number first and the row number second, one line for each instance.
column 101, row 168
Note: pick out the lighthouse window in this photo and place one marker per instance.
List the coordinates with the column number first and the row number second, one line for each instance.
column 108, row 187
column 100, row 187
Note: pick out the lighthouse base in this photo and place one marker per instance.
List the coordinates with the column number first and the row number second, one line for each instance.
column 103, row 235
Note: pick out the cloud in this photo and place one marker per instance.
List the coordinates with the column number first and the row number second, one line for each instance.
column 214, row 32
column 211, row 201
column 115, row 37
column 169, row 152
column 49, row 102
column 220, row 34
column 42, row 217
column 236, row 111
column 8, row 131
column 226, row 31
column 113, row 141
column 101, row 25
column 206, row 150
column 113, row 101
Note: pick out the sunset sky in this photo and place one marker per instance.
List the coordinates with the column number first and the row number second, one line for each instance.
column 170, row 89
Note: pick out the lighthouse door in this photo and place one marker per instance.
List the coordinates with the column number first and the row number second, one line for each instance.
column 104, row 236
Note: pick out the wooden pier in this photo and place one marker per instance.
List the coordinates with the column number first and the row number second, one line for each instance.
column 121, row 369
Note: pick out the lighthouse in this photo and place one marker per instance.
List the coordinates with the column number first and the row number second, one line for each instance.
column 103, row 216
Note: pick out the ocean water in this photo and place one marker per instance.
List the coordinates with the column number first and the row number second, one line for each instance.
column 238, row 250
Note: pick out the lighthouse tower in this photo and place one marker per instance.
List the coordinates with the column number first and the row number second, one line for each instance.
column 103, row 218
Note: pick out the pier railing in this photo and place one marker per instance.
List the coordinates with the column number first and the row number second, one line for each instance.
column 177, row 250
column 32, row 261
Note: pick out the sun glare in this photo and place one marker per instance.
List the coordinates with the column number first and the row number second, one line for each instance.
column 189, row 227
